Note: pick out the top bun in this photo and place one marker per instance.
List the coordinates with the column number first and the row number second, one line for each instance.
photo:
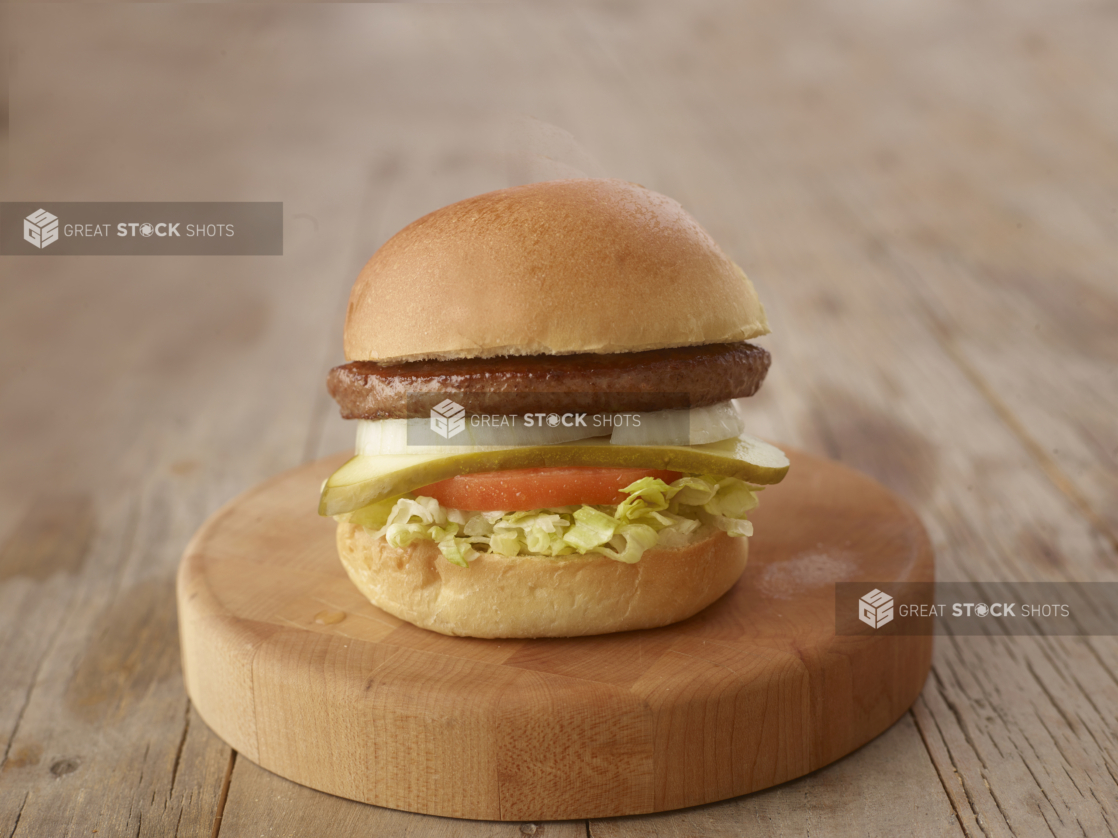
column 556, row 268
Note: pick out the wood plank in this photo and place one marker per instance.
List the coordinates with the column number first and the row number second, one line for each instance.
column 104, row 733
column 260, row 803
column 108, row 713
column 37, row 563
column 1017, row 273
column 879, row 790
column 1048, row 755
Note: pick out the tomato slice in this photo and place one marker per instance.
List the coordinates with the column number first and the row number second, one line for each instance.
column 519, row 489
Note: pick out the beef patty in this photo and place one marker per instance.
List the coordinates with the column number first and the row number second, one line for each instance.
column 660, row 379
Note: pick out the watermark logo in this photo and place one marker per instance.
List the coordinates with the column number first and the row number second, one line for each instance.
column 40, row 228
column 505, row 418
column 141, row 228
column 448, row 418
column 963, row 609
column 875, row 609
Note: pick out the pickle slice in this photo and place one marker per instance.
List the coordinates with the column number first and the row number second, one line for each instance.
column 367, row 479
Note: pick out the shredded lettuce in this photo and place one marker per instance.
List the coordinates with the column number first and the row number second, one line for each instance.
column 654, row 513
column 592, row 528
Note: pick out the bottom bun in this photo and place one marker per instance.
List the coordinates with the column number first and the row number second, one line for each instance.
column 537, row 596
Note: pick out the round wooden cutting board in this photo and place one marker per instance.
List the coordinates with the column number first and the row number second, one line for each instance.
column 297, row 671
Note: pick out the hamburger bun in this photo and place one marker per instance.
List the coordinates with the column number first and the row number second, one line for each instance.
column 569, row 266
column 537, row 596
column 602, row 269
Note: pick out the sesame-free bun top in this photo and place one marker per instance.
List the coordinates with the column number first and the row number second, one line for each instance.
column 567, row 266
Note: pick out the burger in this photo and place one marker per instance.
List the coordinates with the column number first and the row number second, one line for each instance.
column 544, row 380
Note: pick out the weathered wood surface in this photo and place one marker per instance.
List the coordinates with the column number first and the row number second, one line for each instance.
column 924, row 194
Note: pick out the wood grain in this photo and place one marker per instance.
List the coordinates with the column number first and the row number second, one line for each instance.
column 752, row 692
column 923, row 193
column 107, row 671
column 261, row 803
column 891, row 769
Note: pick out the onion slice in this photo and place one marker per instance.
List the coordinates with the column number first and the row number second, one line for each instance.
column 696, row 426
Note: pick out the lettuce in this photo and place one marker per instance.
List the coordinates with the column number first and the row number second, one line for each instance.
column 402, row 520
column 592, row 528
column 654, row 513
